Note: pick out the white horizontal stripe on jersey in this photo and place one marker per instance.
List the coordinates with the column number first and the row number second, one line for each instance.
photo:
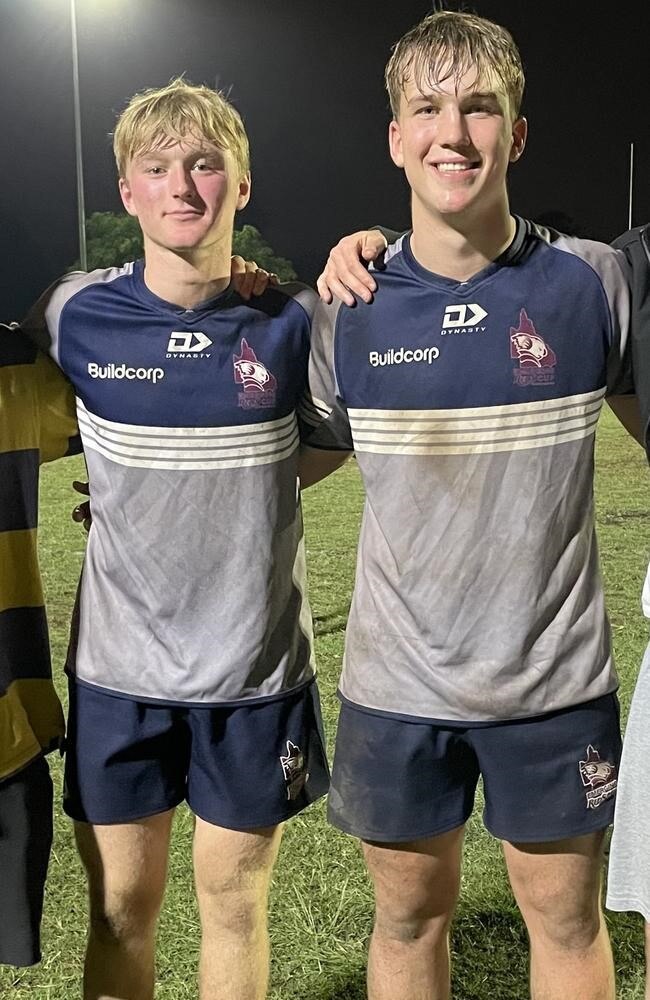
column 313, row 411
column 191, row 448
column 511, row 427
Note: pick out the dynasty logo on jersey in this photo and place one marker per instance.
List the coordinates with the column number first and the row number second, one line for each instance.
column 258, row 382
column 295, row 772
column 536, row 359
column 598, row 776
column 464, row 318
column 188, row 345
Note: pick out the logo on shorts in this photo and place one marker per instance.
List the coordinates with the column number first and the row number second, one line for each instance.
column 294, row 769
column 536, row 359
column 598, row 776
column 258, row 382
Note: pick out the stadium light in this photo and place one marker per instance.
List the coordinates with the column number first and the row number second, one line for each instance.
column 81, row 202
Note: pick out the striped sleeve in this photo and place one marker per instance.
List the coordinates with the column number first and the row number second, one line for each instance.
column 37, row 424
column 58, row 431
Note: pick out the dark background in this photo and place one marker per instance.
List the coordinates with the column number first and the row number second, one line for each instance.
column 308, row 80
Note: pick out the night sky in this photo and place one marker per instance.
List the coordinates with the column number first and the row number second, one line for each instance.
column 307, row 78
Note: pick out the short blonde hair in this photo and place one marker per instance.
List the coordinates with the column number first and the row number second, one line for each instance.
column 176, row 111
column 449, row 44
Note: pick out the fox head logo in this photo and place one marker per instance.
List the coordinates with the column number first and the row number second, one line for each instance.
column 528, row 347
column 251, row 373
column 594, row 771
column 294, row 770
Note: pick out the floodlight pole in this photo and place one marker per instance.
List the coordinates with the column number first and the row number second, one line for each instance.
column 81, row 207
column 631, row 188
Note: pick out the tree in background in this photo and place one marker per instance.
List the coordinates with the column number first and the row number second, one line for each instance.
column 113, row 239
column 251, row 245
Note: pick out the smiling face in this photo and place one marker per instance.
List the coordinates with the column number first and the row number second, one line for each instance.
column 455, row 139
column 184, row 194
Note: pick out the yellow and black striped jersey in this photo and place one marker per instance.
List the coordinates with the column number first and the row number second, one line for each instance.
column 37, row 424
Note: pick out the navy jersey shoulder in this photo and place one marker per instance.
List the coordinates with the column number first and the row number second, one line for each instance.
column 534, row 325
column 137, row 359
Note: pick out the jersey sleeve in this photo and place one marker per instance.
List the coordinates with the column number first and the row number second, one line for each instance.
column 635, row 245
column 613, row 271
column 41, row 324
column 323, row 415
column 620, row 380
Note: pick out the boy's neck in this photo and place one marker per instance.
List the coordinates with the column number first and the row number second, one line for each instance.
column 187, row 278
column 460, row 248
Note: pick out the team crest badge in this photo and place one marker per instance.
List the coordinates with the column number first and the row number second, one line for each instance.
column 294, row 769
column 536, row 359
column 598, row 777
column 259, row 385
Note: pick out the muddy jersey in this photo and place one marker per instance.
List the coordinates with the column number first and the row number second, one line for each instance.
column 193, row 586
column 471, row 408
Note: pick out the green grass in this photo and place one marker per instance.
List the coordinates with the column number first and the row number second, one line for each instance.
column 321, row 906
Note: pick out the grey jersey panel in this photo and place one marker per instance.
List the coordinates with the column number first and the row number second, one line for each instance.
column 194, row 583
column 217, row 608
column 465, row 614
column 472, row 410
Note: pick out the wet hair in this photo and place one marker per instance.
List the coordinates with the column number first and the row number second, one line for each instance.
column 449, row 44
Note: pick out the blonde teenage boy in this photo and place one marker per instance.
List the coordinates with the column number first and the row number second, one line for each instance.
column 191, row 669
column 477, row 644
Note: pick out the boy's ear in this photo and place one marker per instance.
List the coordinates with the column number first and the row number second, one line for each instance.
column 244, row 192
column 395, row 143
column 126, row 196
column 519, row 136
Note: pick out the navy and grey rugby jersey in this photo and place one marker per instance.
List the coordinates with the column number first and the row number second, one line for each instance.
column 471, row 407
column 193, row 586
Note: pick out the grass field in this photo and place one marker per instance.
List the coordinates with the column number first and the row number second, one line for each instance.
column 321, row 907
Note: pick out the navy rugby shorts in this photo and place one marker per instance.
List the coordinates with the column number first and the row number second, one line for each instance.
column 242, row 767
column 25, row 842
column 545, row 778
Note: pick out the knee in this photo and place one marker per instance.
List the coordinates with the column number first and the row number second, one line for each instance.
column 235, row 898
column 565, row 921
column 405, row 928
column 415, row 893
column 123, row 917
column 410, row 918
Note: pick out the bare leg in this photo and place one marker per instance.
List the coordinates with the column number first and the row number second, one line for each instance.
column 232, row 870
column 126, row 866
column 557, row 888
column 416, row 889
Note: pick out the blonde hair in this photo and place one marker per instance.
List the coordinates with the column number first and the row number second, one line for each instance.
column 449, row 44
column 179, row 110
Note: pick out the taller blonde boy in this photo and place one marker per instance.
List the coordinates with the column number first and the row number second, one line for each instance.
column 477, row 644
